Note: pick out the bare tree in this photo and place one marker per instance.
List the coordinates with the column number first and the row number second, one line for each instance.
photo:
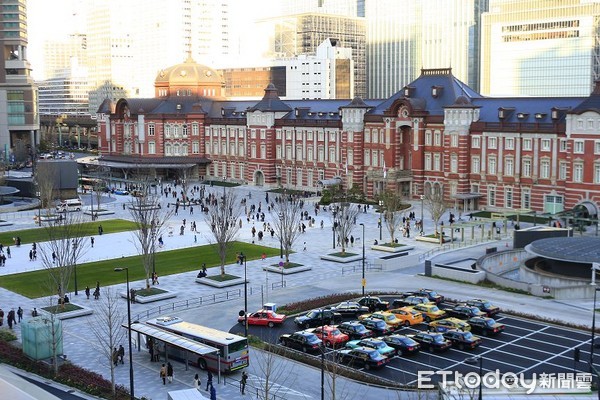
column 436, row 205
column 392, row 204
column 54, row 333
column 272, row 375
column 150, row 219
column 344, row 218
column 65, row 246
column 107, row 329
column 287, row 213
column 185, row 183
column 46, row 186
column 222, row 219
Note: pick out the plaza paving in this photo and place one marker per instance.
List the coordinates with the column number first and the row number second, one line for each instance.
column 299, row 381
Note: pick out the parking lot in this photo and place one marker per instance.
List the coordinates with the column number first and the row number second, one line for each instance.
column 526, row 346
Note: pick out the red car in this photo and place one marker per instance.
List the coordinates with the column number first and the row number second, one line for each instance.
column 263, row 318
column 330, row 335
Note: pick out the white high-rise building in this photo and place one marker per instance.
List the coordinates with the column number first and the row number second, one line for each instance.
column 540, row 48
column 421, row 34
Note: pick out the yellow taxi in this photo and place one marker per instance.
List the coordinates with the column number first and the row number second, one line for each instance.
column 389, row 318
column 408, row 316
column 446, row 324
column 430, row 311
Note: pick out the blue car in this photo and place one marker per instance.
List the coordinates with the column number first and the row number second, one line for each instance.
column 373, row 343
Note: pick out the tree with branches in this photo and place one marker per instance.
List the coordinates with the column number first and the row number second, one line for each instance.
column 437, row 206
column 46, row 187
column 272, row 375
column 392, row 214
column 65, row 246
column 222, row 219
column 344, row 217
column 107, row 328
column 150, row 221
column 286, row 217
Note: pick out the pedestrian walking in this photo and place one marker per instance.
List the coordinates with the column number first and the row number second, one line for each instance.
column 10, row 318
column 163, row 374
column 34, row 313
column 197, row 382
column 92, row 241
column 8, row 251
column 121, row 354
column 115, row 356
column 243, row 382
column 304, row 246
column 1, row 317
column 169, row 372
column 20, row 313
column 87, row 292
column 213, row 393
column 209, row 377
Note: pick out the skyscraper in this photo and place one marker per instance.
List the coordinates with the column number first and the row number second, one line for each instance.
column 421, row 34
column 540, row 48
column 19, row 121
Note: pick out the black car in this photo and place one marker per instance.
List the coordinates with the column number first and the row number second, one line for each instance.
column 431, row 341
column 351, row 309
column 305, row 341
column 432, row 295
column 411, row 300
column 374, row 303
column 362, row 357
column 318, row 317
column 355, row 330
column 462, row 340
column 485, row 326
column 464, row 311
column 403, row 344
column 378, row 326
column 484, row 306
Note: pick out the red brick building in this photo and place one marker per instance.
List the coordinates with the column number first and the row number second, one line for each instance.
column 435, row 134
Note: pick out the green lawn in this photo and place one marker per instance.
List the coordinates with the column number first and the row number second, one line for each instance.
column 88, row 229
column 35, row 283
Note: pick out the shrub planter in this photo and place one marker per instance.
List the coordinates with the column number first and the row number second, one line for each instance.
column 70, row 310
column 221, row 281
column 342, row 258
column 143, row 295
column 287, row 269
column 395, row 248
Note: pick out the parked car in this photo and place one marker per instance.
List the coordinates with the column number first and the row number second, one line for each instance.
column 350, row 309
column 362, row 357
column 408, row 316
column 330, row 335
column 430, row 311
column 318, row 317
column 432, row 295
column 484, row 306
column 446, row 324
column 378, row 326
column 462, row 340
column 464, row 311
column 403, row 344
column 386, row 316
column 374, row 343
column 431, row 341
column 263, row 318
column 355, row 330
column 485, row 326
column 302, row 340
column 409, row 301
column 374, row 303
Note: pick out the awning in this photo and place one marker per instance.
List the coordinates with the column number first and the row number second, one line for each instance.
column 589, row 207
column 173, row 340
column 330, row 182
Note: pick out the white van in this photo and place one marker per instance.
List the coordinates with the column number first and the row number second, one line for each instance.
column 69, row 205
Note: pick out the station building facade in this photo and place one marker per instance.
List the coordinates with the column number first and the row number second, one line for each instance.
column 436, row 134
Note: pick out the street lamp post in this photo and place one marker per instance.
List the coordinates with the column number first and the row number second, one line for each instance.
column 280, row 235
column 333, row 233
column 473, row 360
column 422, row 199
column 380, row 220
column 75, row 265
column 322, row 360
column 245, row 298
column 363, row 282
column 131, row 387
column 593, row 328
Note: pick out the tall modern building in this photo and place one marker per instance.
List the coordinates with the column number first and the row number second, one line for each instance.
column 19, row 121
column 421, row 34
column 540, row 48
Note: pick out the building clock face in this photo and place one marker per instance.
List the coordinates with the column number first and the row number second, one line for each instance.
column 403, row 112
column 126, row 112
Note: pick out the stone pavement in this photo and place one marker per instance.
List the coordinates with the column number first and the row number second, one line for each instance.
column 325, row 278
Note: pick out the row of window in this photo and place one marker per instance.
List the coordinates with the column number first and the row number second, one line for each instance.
column 233, row 170
column 171, row 149
column 545, row 144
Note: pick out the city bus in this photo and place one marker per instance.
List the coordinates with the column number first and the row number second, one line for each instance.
column 233, row 349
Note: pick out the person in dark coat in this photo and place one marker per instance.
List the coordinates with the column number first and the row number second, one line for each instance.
column 209, row 380
column 170, row 372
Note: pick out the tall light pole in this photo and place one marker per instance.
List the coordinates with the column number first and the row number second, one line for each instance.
column 245, row 297
column 280, row 235
column 473, row 360
column 131, row 387
column 363, row 282
column 322, row 360
column 75, row 264
column 380, row 220
column 593, row 329
column 422, row 200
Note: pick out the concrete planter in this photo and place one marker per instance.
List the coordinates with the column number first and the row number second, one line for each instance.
column 343, row 260
column 389, row 249
column 287, row 271
column 220, row 284
column 149, row 299
column 70, row 314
